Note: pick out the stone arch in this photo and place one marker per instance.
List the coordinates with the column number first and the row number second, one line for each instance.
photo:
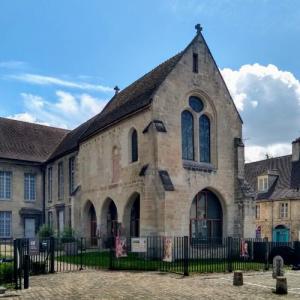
column 131, row 216
column 206, row 215
column 90, row 222
column 109, row 219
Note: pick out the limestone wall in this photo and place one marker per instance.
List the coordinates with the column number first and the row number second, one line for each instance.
column 17, row 201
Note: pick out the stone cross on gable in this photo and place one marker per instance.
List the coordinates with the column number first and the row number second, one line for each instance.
column 116, row 88
column 198, row 28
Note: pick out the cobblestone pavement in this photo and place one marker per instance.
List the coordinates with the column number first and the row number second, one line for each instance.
column 134, row 285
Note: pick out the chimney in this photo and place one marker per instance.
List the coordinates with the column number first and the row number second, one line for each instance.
column 240, row 157
column 296, row 150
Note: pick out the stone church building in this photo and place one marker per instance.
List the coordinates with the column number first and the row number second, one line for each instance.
column 164, row 157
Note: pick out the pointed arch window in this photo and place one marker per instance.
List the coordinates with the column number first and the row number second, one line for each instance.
column 134, row 146
column 187, row 135
column 204, row 138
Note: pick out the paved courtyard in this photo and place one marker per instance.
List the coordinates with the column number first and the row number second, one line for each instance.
column 133, row 285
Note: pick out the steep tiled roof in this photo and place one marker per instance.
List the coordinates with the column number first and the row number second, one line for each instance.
column 133, row 98
column 284, row 172
column 27, row 141
column 71, row 140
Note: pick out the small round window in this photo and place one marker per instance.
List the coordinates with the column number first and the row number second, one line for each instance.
column 196, row 104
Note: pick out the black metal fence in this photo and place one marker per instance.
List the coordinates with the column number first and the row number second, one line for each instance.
column 167, row 254
column 6, row 261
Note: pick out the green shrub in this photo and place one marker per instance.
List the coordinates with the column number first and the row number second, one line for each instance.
column 68, row 235
column 6, row 272
column 45, row 231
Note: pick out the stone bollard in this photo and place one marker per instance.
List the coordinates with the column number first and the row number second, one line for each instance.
column 238, row 278
column 2, row 290
column 281, row 285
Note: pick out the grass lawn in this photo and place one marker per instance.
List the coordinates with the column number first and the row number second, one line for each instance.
column 135, row 262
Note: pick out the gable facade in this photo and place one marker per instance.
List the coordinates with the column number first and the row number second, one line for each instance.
column 154, row 163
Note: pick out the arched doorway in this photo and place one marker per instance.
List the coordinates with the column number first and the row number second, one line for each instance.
column 112, row 220
column 131, row 217
column 281, row 234
column 206, row 216
column 135, row 218
column 93, row 225
column 90, row 223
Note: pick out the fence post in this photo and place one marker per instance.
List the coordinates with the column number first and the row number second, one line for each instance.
column 266, row 249
column 81, row 254
column 229, row 254
column 297, row 252
column 52, row 248
column 26, row 271
column 16, row 261
column 111, row 254
column 186, row 256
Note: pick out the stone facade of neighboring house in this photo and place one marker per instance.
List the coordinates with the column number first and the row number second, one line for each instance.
column 164, row 157
column 24, row 148
column 277, row 181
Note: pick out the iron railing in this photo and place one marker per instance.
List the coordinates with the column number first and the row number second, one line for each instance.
column 152, row 253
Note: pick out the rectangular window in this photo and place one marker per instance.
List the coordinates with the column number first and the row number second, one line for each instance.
column 257, row 211
column 60, row 176
column 5, row 224
column 283, row 210
column 195, row 62
column 5, row 185
column 50, row 219
column 71, row 174
column 263, row 184
column 29, row 187
column 50, row 184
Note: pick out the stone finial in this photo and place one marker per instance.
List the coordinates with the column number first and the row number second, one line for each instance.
column 198, row 28
column 116, row 88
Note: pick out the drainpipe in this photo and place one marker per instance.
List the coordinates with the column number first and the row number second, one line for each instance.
column 272, row 220
column 44, row 193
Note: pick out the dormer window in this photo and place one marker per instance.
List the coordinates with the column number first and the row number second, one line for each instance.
column 263, row 184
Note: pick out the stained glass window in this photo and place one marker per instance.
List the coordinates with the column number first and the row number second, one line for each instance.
column 204, row 138
column 196, row 104
column 187, row 135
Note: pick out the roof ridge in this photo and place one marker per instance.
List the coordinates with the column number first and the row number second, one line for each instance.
column 266, row 159
column 140, row 79
column 34, row 124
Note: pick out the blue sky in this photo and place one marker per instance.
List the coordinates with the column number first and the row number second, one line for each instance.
column 59, row 60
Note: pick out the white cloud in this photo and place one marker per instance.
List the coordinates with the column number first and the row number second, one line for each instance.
column 26, row 117
column 269, row 102
column 49, row 80
column 67, row 111
column 66, row 102
column 12, row 64
column 254, row 153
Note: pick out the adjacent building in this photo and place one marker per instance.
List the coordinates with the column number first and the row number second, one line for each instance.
column 164, row 157
column 24, row 148
column 277, row 181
